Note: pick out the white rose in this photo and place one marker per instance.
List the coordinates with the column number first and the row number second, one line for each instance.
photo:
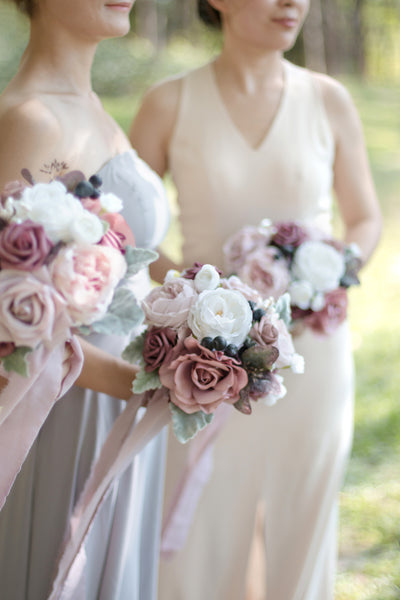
column 86, row 228
column 221, row 312
column 207, row 278
column 171, row 274
column 297, row 363
column 301, row 293
column 110, row 203
column 50, row 205
column 7, row 210
column 320, row 264
column 318, row 302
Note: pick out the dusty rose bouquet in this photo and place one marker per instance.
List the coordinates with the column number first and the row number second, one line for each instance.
column 65, row 252
column 211, row 340
column 313, row 268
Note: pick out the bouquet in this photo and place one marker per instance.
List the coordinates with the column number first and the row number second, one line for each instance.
column 211, row 340
column 65, row 260
column 313, row 268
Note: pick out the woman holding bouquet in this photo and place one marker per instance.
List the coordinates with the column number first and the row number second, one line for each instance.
column 51, row 121
column 246, row 137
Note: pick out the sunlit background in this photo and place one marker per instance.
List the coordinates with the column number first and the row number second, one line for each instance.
column 357, row 41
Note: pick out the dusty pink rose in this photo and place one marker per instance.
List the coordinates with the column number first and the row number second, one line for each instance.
column 24, row 246
column 93, row 205
column 200, row 379
column 119, row 229
column 157, row 344
column 234, row 283
column 289, row 234
column 240, row 245
column 332, row 315
column 266, row 271
column 31, row 311
column 6, row 348
column 86, row 276
column 264, row 332
column 285, row 346
column 169, row 304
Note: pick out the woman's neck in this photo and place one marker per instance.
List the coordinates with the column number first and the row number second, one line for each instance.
column 55, row 62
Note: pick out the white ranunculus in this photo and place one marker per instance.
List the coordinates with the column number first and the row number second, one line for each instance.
column 52, row 206
column 207, row 278
column 221, row 312
column 110, row 203
column 320, row 264
column 7, row 210
column 301, row 293
column 171, row 274
column 318, row 302
column 86, row 228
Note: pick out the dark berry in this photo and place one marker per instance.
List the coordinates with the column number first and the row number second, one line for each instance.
column 208, row 343
column 95, row 194
column 219, row 343
column 258, row 314
column 252, row 305
column 84, row 189
column 231, row 350
column 95, row 180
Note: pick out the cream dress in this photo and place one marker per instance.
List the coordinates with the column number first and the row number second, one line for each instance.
column 123, row 547
column 289, row 457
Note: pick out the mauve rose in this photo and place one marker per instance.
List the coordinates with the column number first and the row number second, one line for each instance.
column 332, row 315
column 200, row 379
column 234, row 283
column 87, row 276
column 31, row 311
column 6, row 348
column 158, row 342
column 191, row 272
column 289, row 234
column 169, row 304
column 240, row 245
column 24, row 246
column 119, row 229
column 267, row 271
column 264, row 332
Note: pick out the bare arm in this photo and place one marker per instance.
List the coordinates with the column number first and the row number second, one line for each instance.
column 353, row 184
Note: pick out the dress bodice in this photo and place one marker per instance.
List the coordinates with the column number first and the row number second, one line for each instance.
column 223, row 183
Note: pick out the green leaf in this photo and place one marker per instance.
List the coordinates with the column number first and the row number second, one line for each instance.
column 17, row 361
column 282, row 307
column 133, row 353
column 186, row 426
column 122, row 316
column 145, row 381
column 137, row 259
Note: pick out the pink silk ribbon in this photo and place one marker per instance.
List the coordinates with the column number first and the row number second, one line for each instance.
column 125, row 440
column 187, row 494
column 25, row 403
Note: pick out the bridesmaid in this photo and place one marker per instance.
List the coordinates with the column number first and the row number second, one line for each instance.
column 49, row 114
column 245, row 137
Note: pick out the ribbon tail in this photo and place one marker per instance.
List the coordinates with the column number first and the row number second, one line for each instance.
column 125, row 441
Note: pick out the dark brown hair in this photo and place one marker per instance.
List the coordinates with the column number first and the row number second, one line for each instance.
column 208, row 14
column 25, row 6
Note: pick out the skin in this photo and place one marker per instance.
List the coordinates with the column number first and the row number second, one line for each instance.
column 249, row 76
column 49, row 112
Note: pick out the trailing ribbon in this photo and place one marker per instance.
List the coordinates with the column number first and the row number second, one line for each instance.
column 125, row 440
column 25, row 403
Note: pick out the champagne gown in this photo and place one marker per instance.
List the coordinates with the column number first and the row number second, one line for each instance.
column 123, row 546
column 291, row 456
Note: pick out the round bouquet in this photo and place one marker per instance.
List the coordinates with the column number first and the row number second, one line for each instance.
column 313, row 268
column 211, row 340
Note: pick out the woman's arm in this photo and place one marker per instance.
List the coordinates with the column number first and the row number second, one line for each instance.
column 353, row 184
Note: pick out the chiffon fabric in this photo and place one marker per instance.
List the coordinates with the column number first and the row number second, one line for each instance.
column 288, row 458
column 123, row 545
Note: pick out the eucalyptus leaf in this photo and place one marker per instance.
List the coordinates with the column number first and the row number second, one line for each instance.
column 145, row 381
column 133, row 353
column 122, row 316
column 186, row 426
column 283, row 309
column 17, row 361
column 137, row 259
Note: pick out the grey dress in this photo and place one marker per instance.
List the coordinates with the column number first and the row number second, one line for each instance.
column 123, row 546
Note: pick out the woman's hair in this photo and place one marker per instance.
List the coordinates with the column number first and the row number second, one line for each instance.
column 25, row 6
column 208, row 14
